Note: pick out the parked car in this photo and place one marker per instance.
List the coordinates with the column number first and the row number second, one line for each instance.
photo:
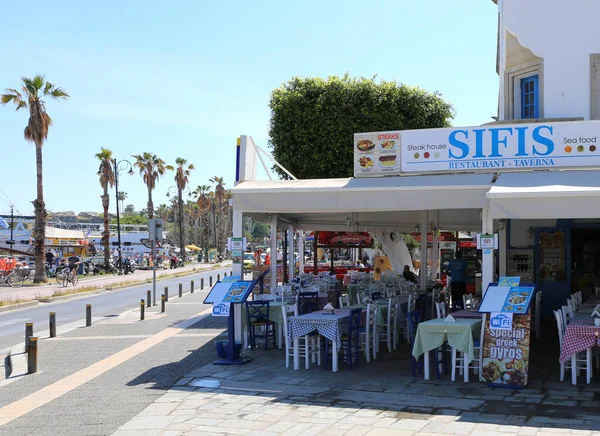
column 248, row 262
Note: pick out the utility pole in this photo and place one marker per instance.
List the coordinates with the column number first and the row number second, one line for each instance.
column 12, row 222
column 181, row 225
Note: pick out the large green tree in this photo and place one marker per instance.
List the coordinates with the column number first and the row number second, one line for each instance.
column 32, row 96
column 313, row 120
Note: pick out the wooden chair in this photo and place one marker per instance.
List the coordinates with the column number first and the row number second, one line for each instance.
column 309, row 345
column 257, row 313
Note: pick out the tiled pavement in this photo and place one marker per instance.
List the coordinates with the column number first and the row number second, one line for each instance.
column 264, row 398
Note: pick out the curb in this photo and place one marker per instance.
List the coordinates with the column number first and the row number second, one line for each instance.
column 18, row 306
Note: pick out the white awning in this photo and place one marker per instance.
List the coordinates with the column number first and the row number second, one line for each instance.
column 546, row 194
column 408, row 193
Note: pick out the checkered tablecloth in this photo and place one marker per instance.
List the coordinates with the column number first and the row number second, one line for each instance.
column 466, row 314
column 330, row 326
column 581, row 334
column 592, row 301
column 459, row 334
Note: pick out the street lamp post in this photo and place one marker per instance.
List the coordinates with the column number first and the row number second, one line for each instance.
column 180, row 200
column 120, row 166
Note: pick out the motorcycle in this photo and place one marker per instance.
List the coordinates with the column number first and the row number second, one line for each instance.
column 128, row 266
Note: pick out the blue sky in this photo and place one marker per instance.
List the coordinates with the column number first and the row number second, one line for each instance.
column 188, row 78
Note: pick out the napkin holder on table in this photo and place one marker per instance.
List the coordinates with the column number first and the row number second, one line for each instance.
column 329, row 309
column 449, row 318
column 596, row 312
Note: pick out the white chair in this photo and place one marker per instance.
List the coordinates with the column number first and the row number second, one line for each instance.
column 468, row 302
column 368, row 334
column 572, row 305
column 568, row 309
column 309, row 345
column 582, row 360
column 344, row 300
column 458, row 358
column 440, row 309
column 389, row 328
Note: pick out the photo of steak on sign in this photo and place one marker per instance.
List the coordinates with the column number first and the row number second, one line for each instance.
column 502, row 147
column 376, row 154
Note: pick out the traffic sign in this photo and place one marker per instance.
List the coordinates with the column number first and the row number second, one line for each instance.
column 146, row 242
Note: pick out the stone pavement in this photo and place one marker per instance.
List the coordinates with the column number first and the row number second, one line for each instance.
column 264, row 398
column 48, row 289
column 92, row 380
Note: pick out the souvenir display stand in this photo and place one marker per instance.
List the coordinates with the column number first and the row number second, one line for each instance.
column 505, row 354
column 225, row 295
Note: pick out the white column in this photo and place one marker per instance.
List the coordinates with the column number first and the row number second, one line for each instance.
column 238, row 232
column 273, row 252
column 423, row 269
column 237, row 269
column 435, row 250
column 502, row 246
column 487, row 261
column 301, row 249
column 290, row 235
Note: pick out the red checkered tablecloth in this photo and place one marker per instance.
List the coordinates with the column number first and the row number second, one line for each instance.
column 466, row 314
column 581, row 334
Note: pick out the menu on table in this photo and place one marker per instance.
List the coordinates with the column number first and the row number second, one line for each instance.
column 377, row 154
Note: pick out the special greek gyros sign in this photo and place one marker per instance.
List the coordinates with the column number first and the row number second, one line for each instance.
column 496, row 148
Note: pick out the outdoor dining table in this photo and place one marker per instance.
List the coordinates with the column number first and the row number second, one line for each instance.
column 331, row 327
column 592, row 301
column 581, row 334
column 459, row 334
column 275, row 315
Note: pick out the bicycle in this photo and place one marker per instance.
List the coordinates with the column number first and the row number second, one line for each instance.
column 67, row 277
column 14, row 278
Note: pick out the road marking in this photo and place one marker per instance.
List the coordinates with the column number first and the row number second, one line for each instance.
column 14, row 321
column 43, row 396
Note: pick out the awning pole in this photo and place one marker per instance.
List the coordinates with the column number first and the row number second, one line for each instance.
column 315, row 256
column 292, row 266
column 423, row 269
column 273, row 254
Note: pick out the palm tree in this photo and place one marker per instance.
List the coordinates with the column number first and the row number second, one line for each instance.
column 182, row 178
column 107, row 178
column 219, row 195
column 204, row 205
column 162, row 212
column 122, row 196
column 151, row 168
column 33, row 92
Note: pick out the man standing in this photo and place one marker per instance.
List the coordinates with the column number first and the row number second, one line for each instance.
column 49, row 257
column 457, row 270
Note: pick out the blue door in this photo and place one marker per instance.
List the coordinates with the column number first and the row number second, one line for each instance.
column 553, row 267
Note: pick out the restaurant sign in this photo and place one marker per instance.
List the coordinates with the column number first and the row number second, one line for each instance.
column 489, row 148
column 506, row 351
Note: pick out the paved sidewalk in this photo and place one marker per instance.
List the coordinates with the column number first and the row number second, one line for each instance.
column 48, row 289
column 92, row 380
column 263, row 398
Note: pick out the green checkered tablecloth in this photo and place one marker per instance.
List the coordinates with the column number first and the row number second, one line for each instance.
column 459, row 334
column 275, row 313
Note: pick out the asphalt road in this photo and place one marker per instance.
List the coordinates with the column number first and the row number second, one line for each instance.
column 104, row 305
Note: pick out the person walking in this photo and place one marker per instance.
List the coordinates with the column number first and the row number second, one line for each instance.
column 457, row 270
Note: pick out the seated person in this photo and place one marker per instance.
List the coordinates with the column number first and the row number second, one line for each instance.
column 359, row 264
column 408, row 275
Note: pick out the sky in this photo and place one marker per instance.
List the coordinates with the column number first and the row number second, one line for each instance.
column 186, row 78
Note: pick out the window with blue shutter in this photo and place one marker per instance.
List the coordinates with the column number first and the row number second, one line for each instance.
column 530, row 97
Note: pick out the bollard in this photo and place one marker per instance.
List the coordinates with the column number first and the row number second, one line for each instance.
column 166, row 294
column 230, row 273
column 210, row 281
column 201, row 283
column 218, row 277
column 180, row 290
column 28, row 333
column 52, row 324
column 32, row 355
column 149, row 298
column 192, row 287
column 88, row 315
column 162, row 303
column 142, row 310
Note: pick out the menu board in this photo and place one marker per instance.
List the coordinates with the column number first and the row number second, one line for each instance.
column 509, row 281
column 553, row 262
column 377, row 154
column 237, row 292
column 518, row 300
column 506, row 353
